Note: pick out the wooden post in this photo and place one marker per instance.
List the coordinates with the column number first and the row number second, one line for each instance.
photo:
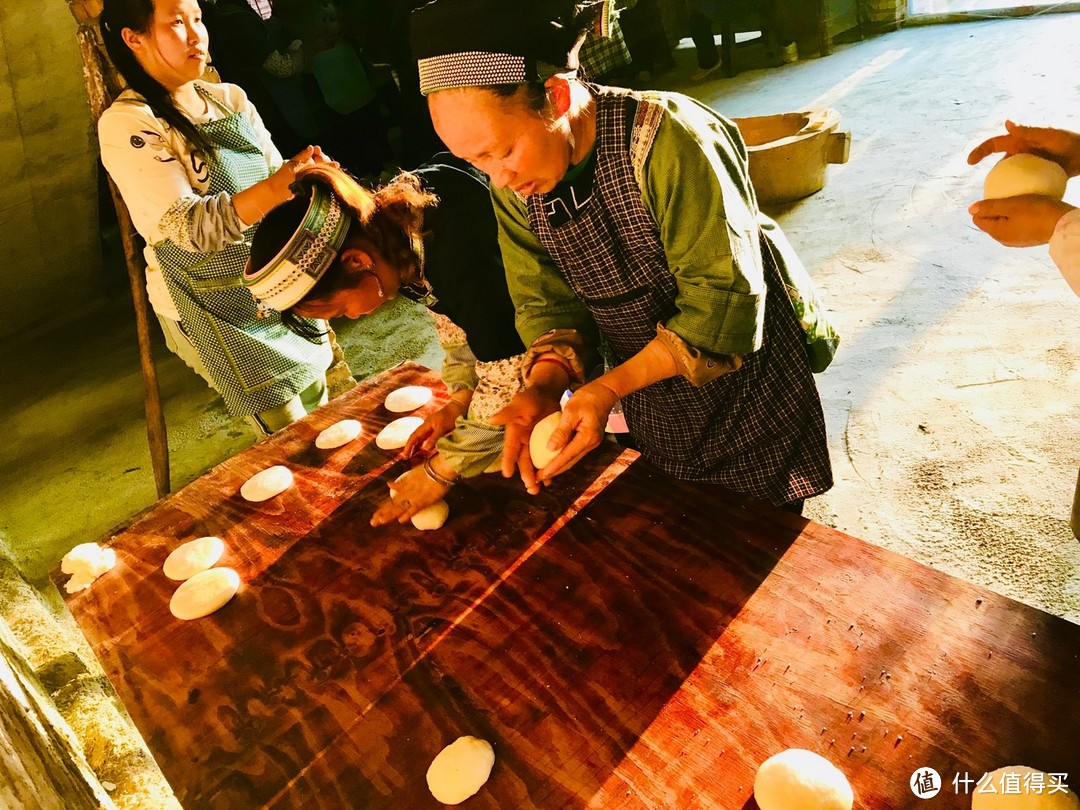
column 102, row 85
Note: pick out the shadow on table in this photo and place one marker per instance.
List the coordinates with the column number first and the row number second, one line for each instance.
column 559, row 647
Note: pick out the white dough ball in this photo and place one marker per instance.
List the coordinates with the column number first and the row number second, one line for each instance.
column 266, row 484
column 204, row 593
column 1018, row 778
column 1025, row 174
column 538, row 449
column 408, row 398
column 797, row 779
column 86, row 562
column 460, row 769
column 431, row 517
column 338, row 434
column 395, row 435
column 193, row 557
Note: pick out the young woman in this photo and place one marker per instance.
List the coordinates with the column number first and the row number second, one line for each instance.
column 628, row 220
column 198, row 171
column 340, row 249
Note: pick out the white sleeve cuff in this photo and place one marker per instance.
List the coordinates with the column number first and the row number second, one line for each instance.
column 1065, row 248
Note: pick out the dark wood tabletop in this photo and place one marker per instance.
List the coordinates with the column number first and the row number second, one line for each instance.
column 624, row 640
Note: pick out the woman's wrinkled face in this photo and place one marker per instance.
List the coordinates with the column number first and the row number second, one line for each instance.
column 516, row 146
column 175, row 48
column 369, row 282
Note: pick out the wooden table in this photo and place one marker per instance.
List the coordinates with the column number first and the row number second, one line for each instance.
column 623, row 640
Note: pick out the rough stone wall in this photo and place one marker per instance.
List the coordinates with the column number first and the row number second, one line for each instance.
column 48, row 188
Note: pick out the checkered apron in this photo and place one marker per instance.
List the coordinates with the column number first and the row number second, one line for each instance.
column 256, row 363
column 759, row 430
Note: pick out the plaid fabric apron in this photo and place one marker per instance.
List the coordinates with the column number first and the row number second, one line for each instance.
column 256, row 363
column 760, row 430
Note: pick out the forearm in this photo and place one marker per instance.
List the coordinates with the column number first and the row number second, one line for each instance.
column 254, row 203
column 651, row 365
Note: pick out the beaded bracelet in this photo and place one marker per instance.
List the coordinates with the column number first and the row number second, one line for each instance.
column 434, row 476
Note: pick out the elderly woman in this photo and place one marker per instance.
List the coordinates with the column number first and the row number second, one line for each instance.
column 627, row 221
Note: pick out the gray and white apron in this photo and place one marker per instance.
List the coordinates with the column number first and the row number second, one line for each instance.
column 759, row 430
column 256, row 363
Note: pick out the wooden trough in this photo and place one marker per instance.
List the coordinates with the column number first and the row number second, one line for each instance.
column 789, row 152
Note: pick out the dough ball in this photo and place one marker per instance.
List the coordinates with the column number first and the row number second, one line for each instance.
column 431, row 517
column 797, row 779
column 460, row 769
column 266, row 484
column 1012, row 777
column 86, row 562
column 538, row 448
column 395, row 435
column 1025, row 174
column 338, row 434
column 407, row 399
column 204, row 593
column 193, row 557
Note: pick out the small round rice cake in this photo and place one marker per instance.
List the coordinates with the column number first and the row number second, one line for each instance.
column 266, row 484
column 408, row 398
column 395, row 435
column 797, row 779
column 204, row 593
column 460, row 769
column 193, row 557
column 538, row 440
column 338, row 434
column 431, row 517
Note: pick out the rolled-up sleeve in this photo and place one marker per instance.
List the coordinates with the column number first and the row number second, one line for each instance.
column 695, row 186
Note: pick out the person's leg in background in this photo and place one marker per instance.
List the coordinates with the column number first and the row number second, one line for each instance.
column 779, row 15
column 701, row 31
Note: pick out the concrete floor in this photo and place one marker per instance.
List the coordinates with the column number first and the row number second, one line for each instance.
column 952, row 407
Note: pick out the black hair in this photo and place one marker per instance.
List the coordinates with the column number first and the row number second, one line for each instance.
column 138, row 16
column 535, row 93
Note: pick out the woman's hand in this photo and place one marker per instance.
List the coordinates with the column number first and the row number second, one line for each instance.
column 581, row 428
column 412, row 492
column 281, row 181
column 1022, row 221
column 520, row 416
column 1058, row 145
column 435, row 427
column 254, row 203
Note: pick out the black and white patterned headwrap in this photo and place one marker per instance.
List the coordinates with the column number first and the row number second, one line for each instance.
column 471, row 69
column 298, row 266
column 477, row 43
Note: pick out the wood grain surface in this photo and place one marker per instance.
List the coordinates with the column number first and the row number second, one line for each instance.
column 622, row 639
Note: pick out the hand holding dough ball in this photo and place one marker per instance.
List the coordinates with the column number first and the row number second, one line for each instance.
column 431, row 517
column 396, row 435
column 339, row 434
column 1025, row 174
column 407, row 399
column 204, row 593
column 460, row 769
column 797, row 779
column 538, row 440
column 86, row 562
column 193, row 557
column 266, row 484
column 1018, row 777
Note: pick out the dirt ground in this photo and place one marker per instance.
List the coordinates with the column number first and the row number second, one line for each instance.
column 953, row 404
